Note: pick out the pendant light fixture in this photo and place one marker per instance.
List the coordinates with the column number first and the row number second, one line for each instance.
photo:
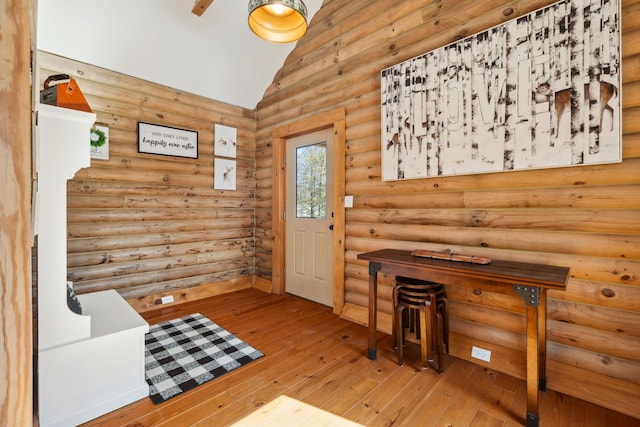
column 280, row 21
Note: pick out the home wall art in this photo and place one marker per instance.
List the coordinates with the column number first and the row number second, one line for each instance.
column 224, row 174
column 539, row 91
column 224, row 145
column 225, row 141
column 99, row 140
column 167, row 141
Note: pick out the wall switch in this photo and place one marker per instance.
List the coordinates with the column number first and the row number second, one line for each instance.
column 481, row 353
column 348, row 201
column 167, row 299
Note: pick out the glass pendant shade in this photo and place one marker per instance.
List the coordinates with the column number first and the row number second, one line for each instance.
column 280, row 21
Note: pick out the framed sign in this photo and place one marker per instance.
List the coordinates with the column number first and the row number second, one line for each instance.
column 167, row 141
column 539, row 91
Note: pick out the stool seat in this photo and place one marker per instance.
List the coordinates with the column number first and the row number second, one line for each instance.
column 426, row 312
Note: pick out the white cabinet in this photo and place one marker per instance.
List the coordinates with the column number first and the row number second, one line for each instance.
column 90, row 363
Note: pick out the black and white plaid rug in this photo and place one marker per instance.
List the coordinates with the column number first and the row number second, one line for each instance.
column 183, row 353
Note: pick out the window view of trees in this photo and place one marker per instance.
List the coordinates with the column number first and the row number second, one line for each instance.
column 311, row 181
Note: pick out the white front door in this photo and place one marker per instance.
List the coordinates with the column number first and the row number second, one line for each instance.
column 309, row 216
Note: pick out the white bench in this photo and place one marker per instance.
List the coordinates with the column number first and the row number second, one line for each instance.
column 90, row 363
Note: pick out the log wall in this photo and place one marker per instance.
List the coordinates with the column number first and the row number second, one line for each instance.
column 151, row 225
column 586, row 218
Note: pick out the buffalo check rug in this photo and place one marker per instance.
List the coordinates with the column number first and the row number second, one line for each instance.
column 183, row 353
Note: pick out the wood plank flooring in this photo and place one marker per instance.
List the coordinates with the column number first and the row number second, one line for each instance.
column 314, row 356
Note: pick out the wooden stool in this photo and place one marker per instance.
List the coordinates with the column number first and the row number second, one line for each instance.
column 427, row 313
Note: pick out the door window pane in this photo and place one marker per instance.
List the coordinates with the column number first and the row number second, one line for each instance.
column 311, row 181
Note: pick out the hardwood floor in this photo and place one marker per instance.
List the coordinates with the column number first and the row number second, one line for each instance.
column 318, row 358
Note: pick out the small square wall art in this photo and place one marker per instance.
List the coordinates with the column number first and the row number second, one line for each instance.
column 225, row 139
column 224, row 174
column 99, row 139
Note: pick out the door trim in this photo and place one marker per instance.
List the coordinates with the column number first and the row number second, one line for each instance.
column 331, row 119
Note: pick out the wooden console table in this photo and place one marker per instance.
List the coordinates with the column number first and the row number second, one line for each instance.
column 529, row 281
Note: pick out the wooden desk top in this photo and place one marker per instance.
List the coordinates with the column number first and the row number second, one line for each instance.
column 539, row 275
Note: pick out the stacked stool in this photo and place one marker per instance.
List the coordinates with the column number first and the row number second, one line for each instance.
column 426, row 313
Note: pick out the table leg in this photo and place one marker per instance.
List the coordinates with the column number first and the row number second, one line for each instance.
column 536, row 310
column 533, row 364
column 542, row 341
column 373, row 310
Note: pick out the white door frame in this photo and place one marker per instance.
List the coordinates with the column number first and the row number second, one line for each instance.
column 336, row 120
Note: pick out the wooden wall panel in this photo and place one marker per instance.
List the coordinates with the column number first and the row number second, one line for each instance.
column 16, row 348
column 148, row 225
column 586, row 218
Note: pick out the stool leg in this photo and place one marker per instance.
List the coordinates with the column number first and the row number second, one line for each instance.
column 399, row 333
column 425, row 334
column 433, row 324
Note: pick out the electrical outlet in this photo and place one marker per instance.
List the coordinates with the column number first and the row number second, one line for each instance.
column 167, row 299
column 481, row 353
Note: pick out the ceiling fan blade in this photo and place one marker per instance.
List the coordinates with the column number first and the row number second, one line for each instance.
column 201, row 6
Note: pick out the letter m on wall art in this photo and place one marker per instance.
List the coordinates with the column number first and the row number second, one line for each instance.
column 539, row 91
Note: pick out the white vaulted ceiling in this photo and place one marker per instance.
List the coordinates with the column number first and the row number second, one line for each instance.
column 215, row 55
